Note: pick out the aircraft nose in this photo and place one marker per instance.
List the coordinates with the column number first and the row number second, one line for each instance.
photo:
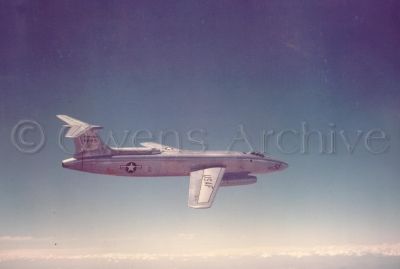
column 283, row 165
column 277, row 166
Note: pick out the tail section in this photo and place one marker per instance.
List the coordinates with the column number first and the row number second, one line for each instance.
column 86, row 140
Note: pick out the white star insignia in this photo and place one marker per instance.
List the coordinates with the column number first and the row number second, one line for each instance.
column 131, row 168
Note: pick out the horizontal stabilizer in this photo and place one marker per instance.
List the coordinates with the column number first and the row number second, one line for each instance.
column 76, row 127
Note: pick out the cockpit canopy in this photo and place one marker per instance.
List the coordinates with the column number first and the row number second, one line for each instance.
column 256, row 153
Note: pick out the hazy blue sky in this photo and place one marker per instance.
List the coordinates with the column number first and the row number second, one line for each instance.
column 211, row 65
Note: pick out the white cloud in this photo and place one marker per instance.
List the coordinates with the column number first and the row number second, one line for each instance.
column 260, row 252
column 7, row 238
column 10, row 238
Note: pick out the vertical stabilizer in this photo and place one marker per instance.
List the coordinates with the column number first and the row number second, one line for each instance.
column 86, row 140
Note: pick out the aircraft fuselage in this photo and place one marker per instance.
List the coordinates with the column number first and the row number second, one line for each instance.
column 174, row 163
column 207, row 170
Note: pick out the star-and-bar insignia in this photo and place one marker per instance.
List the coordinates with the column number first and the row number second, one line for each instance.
column 130, row 167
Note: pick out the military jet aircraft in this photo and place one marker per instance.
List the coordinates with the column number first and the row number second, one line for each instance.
column 207, row 170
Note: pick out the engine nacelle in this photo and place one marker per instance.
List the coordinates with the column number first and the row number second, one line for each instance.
column 237, row 180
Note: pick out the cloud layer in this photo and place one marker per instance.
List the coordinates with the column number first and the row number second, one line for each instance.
column 388, row 250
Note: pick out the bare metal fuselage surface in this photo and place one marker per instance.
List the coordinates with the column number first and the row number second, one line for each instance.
column 175, row 163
